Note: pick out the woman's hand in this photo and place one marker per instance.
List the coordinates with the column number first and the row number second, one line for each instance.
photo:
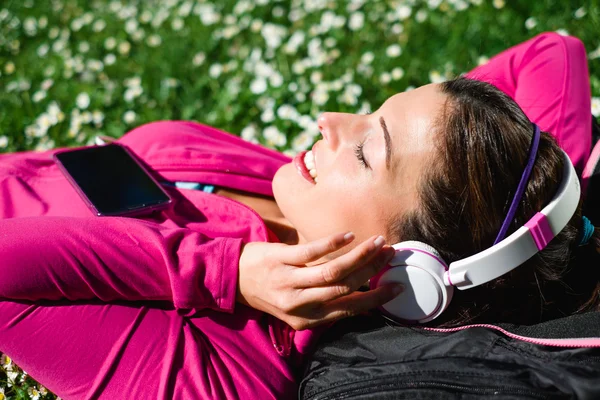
column 275, row 278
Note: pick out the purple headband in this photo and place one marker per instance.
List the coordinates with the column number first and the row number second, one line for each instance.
column 522, row 185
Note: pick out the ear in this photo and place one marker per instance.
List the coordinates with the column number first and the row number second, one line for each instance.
column 420, row 269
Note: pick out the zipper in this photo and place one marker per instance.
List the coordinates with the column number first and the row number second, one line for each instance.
column 564, row 342
column 281, row 345
column 375, row 386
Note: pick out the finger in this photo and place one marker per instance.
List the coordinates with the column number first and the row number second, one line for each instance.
column 359, row 302
column 337, row 269
column 349, row 284
column 301, row 254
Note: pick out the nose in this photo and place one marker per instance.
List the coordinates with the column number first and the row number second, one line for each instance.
column 338, row 128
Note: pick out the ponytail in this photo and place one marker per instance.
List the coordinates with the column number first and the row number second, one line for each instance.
column 587, row 257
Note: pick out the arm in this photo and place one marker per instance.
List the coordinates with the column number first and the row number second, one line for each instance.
column 548, row 77
column 113, row 258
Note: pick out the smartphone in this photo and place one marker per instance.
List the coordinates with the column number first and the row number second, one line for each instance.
column 111, row 181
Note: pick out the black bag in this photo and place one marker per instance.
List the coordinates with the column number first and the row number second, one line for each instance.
column 368, row 358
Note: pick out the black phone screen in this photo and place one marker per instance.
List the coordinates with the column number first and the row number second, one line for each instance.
column 112, row 179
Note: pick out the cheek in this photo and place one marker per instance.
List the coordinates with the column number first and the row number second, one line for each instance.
column 346, row 198
column 336, row 204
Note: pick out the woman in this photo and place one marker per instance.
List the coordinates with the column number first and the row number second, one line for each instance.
column 147, row 307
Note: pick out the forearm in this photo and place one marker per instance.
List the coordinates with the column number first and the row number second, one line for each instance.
column 51, row 258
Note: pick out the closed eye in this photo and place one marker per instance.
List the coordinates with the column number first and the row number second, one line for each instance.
column 358, row 151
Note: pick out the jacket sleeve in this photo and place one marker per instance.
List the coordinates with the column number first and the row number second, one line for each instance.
column 548, row 77
column 116, row 258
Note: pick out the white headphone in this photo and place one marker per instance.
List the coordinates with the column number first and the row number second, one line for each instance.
column 429, row 282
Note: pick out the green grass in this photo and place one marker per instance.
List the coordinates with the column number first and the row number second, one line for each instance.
column 72, row 69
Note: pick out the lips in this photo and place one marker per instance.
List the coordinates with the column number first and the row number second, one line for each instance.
column 301, row 168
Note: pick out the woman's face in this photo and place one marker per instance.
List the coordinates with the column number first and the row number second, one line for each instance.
column 351, row 196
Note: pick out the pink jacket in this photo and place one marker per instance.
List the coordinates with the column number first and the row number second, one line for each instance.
column 190, row 253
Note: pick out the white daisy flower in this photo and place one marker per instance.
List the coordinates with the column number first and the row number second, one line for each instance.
column 87, row 18
column 33, row 392
column 594, row 54
column 131, row 25
column 46, row 84
column 365, row 108
column 154, row 40
column 110, row 43
column 356, row 21
column 393, row 51
column 76, row 25
column 320, row 96
column 82, row 100
column 274, row 137
column 482, row 60
column 249, row 133
column 530, row 23
column 99, row 25
column 436, row 77
column 276, row 80
column 124, row 47
column 298, row 67
column 53, row 32
column 9, row 68
column 268, row 115
column 596, row 106
column 258, row 85
column 11, row 378
column 129, row 117
column 403, row 11
column 199, row 59
column 580, row 13
column 385, row 78
column 316, row 77
column 39, row 96
column 397, row 73
column 43, row 50
column 43, row 22
column 97, row 117
column 367, row 58
column 110, row 59
column 215, row 70
column 288, row 112
column 300, row 97
column 461, row 5
column 302, row 142
column 177, row 24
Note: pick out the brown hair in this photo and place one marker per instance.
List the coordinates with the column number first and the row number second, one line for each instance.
column 483, row 145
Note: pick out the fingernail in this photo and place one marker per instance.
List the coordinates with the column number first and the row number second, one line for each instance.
column 397, row 289
column 349, row 236
column 379, row 241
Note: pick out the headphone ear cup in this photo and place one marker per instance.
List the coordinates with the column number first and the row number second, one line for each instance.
column 420, row 268
column 413, row 244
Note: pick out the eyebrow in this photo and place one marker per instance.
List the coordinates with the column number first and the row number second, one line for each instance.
column 388, row 143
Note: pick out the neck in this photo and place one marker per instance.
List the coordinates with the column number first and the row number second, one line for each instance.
column 284, row 230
